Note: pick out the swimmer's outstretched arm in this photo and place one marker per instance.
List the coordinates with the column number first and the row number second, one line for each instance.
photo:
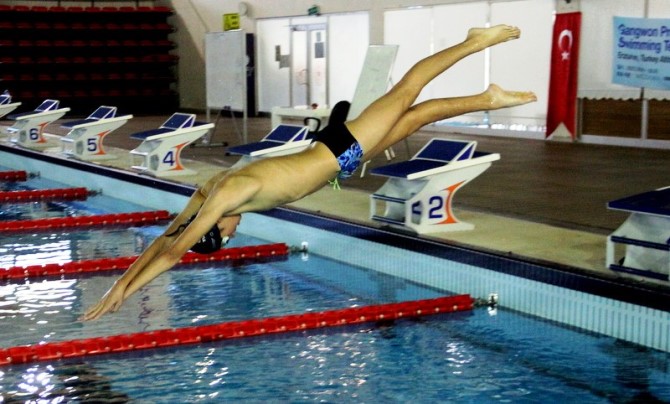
column 164, row 253
column 114, row 297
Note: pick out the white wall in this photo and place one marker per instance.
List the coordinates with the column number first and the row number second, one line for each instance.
column 196, row 17
column 522, row 64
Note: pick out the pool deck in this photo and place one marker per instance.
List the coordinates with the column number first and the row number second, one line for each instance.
column 543, row 201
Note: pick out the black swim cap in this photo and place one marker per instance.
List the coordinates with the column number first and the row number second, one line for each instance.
column 209, row 243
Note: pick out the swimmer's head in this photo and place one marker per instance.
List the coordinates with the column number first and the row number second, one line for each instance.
column 213, row 240
column 210, row 242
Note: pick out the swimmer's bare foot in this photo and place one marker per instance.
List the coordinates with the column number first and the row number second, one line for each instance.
column 499, row 98
column 482, row 38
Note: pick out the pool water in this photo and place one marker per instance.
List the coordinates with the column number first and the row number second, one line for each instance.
column 487, row 355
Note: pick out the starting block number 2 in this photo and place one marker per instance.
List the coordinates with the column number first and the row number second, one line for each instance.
column 438, row 206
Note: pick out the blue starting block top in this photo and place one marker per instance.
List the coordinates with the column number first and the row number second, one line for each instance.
column 434, row 154
column 5, row 98
column 102, row 112
column 280, row 135
column 46, row 105
column 405, row 168
column 653, row 202
column 176, row 121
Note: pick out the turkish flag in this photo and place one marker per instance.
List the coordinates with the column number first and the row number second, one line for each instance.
column 563, row 79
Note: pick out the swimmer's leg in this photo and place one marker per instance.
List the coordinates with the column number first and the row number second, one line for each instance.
column 435, row 110
column 380, row 117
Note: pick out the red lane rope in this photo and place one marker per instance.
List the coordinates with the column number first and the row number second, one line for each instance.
column 43, row 194
column 131, row 219
column 122, row 263
column 13, row 176
column 234, row 329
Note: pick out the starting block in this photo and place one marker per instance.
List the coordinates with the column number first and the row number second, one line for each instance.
column 6, row 104
column 85, row 139
column 28, row 131
column 644, row 236
column 160, row 151
column 419, row 192
column 282, row 140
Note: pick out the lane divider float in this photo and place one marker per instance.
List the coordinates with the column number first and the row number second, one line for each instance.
column 236, row 254
column 13, row 176
column 115, row 219
column 234, row 329
column 44, row 194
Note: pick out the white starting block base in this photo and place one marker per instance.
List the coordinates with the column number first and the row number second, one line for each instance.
column 7, row 108
column 644, row 237
column 423, row 202
column 28, row 131
column 160, row 155
column 85, row 141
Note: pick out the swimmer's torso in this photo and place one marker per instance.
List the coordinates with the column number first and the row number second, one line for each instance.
column 281, row 180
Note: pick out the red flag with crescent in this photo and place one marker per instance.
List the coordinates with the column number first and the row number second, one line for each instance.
column 564, row 72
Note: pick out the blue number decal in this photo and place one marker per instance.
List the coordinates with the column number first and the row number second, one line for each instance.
column 34, row 134
column 436, row 205
column 169, row 158
column 416, row 208
column 91, row 145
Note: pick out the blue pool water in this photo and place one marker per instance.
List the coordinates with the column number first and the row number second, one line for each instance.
column 480, row 356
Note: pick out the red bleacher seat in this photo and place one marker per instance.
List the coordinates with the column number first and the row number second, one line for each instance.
column 68, row 49
column 161, row 9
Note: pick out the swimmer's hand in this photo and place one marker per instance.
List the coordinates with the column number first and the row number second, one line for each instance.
column 109, row 303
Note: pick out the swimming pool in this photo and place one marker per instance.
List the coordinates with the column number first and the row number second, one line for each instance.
column 546, row 341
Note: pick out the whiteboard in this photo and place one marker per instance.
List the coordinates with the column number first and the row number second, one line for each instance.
column 226, row 70
column 374, row 79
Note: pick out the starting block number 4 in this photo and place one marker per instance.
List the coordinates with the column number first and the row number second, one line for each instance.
column 170, row 161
